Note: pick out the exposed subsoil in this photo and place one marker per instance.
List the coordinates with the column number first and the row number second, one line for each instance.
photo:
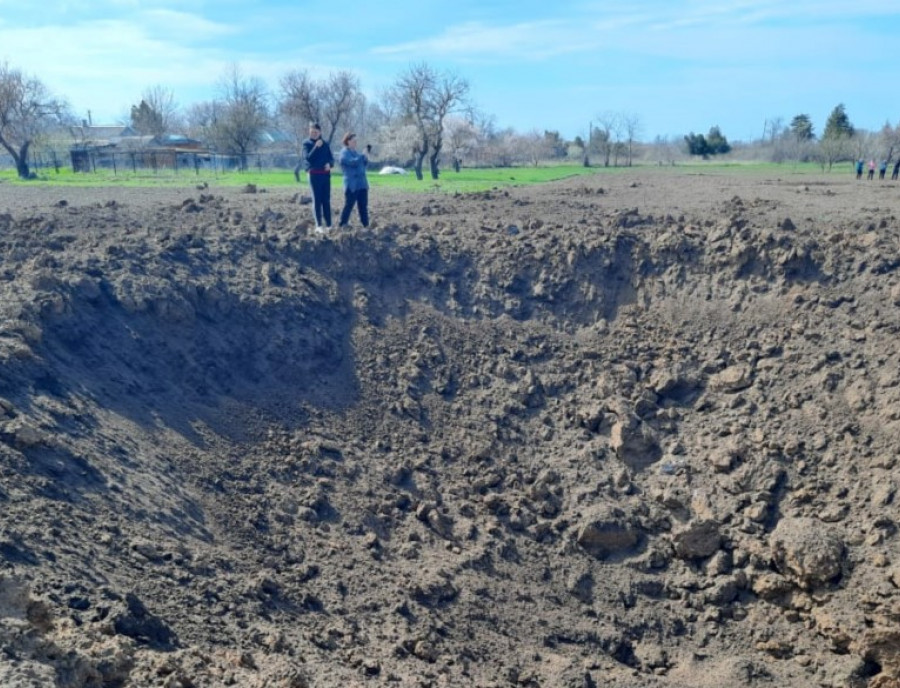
column 633, row 430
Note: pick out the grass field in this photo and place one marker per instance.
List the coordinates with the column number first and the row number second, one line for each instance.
column 464, row 181
column 467, row 180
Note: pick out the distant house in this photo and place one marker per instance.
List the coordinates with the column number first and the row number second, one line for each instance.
column 274, row 139
column 177, row 142
column 89, row 135
column 123, row 146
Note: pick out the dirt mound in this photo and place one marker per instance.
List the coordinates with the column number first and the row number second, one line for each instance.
column 638, row 430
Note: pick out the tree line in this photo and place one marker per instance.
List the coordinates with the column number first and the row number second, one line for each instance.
column 424, row 119
column 797, row 140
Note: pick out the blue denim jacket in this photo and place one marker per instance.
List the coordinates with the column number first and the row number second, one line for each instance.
column 353, row 165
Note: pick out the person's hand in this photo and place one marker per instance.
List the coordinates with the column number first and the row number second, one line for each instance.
column 318, row 143
column 327, row 167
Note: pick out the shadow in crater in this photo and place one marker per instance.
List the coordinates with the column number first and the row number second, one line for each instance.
column 158, row 368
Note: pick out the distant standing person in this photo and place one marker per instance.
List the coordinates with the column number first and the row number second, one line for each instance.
column 882, row 168
column 356, row 186
column 896, row 172
column 859, row 168
column 871, row 169
column 318, row 161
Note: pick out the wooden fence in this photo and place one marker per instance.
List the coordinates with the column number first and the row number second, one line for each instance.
column 164, row 161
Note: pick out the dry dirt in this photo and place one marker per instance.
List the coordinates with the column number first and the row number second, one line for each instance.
column 636, row 430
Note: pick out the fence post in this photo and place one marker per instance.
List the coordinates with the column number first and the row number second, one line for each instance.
column 115, row 169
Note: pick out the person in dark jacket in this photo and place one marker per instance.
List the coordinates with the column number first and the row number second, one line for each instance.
column 896, row 171
column 318, row 161
column 356, row 186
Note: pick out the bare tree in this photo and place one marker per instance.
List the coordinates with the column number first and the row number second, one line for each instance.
column 200, row 118
column 298, row 103
column 27, row 112
column 239, row 118
column 485, row 126
column 412, row 95
column 889, row 140
column 536, row 146
column 342, row 100
column 604, row 135
column 631, row 125
column 450, row 96
column 157, row 112
column 832, row 149
column 666, row 150
column 504, row 148
column 425, row 98
column 462, row 137
column 773, row 128
column 333, row 102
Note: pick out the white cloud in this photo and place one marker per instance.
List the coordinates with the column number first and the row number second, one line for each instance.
column 183, row 26
column 669, row 12
column 762, row 30
column 105, row 65
column 527, row 40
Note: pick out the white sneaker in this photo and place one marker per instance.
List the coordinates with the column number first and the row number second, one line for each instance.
column 320, row 229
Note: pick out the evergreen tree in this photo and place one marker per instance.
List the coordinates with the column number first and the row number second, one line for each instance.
column 146, row 120
column 714, row 143
column 717, row 142
column 696, row 144
column 802, row 128
column 838, row 125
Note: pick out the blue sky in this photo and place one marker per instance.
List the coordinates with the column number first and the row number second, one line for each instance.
column 679, row 65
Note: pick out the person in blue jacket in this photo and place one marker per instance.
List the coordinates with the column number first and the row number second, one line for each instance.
column 356, row 186
column 318, row 161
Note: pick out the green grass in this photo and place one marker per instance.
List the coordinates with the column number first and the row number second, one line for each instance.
column 471, row 180
column 759, row 168
column 467, row 180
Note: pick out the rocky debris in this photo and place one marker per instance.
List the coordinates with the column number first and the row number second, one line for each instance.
column 805, row 552
column 732, row 379
column 606, row 532
column 698, row 540
column 131, row 618
column 635, row 443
